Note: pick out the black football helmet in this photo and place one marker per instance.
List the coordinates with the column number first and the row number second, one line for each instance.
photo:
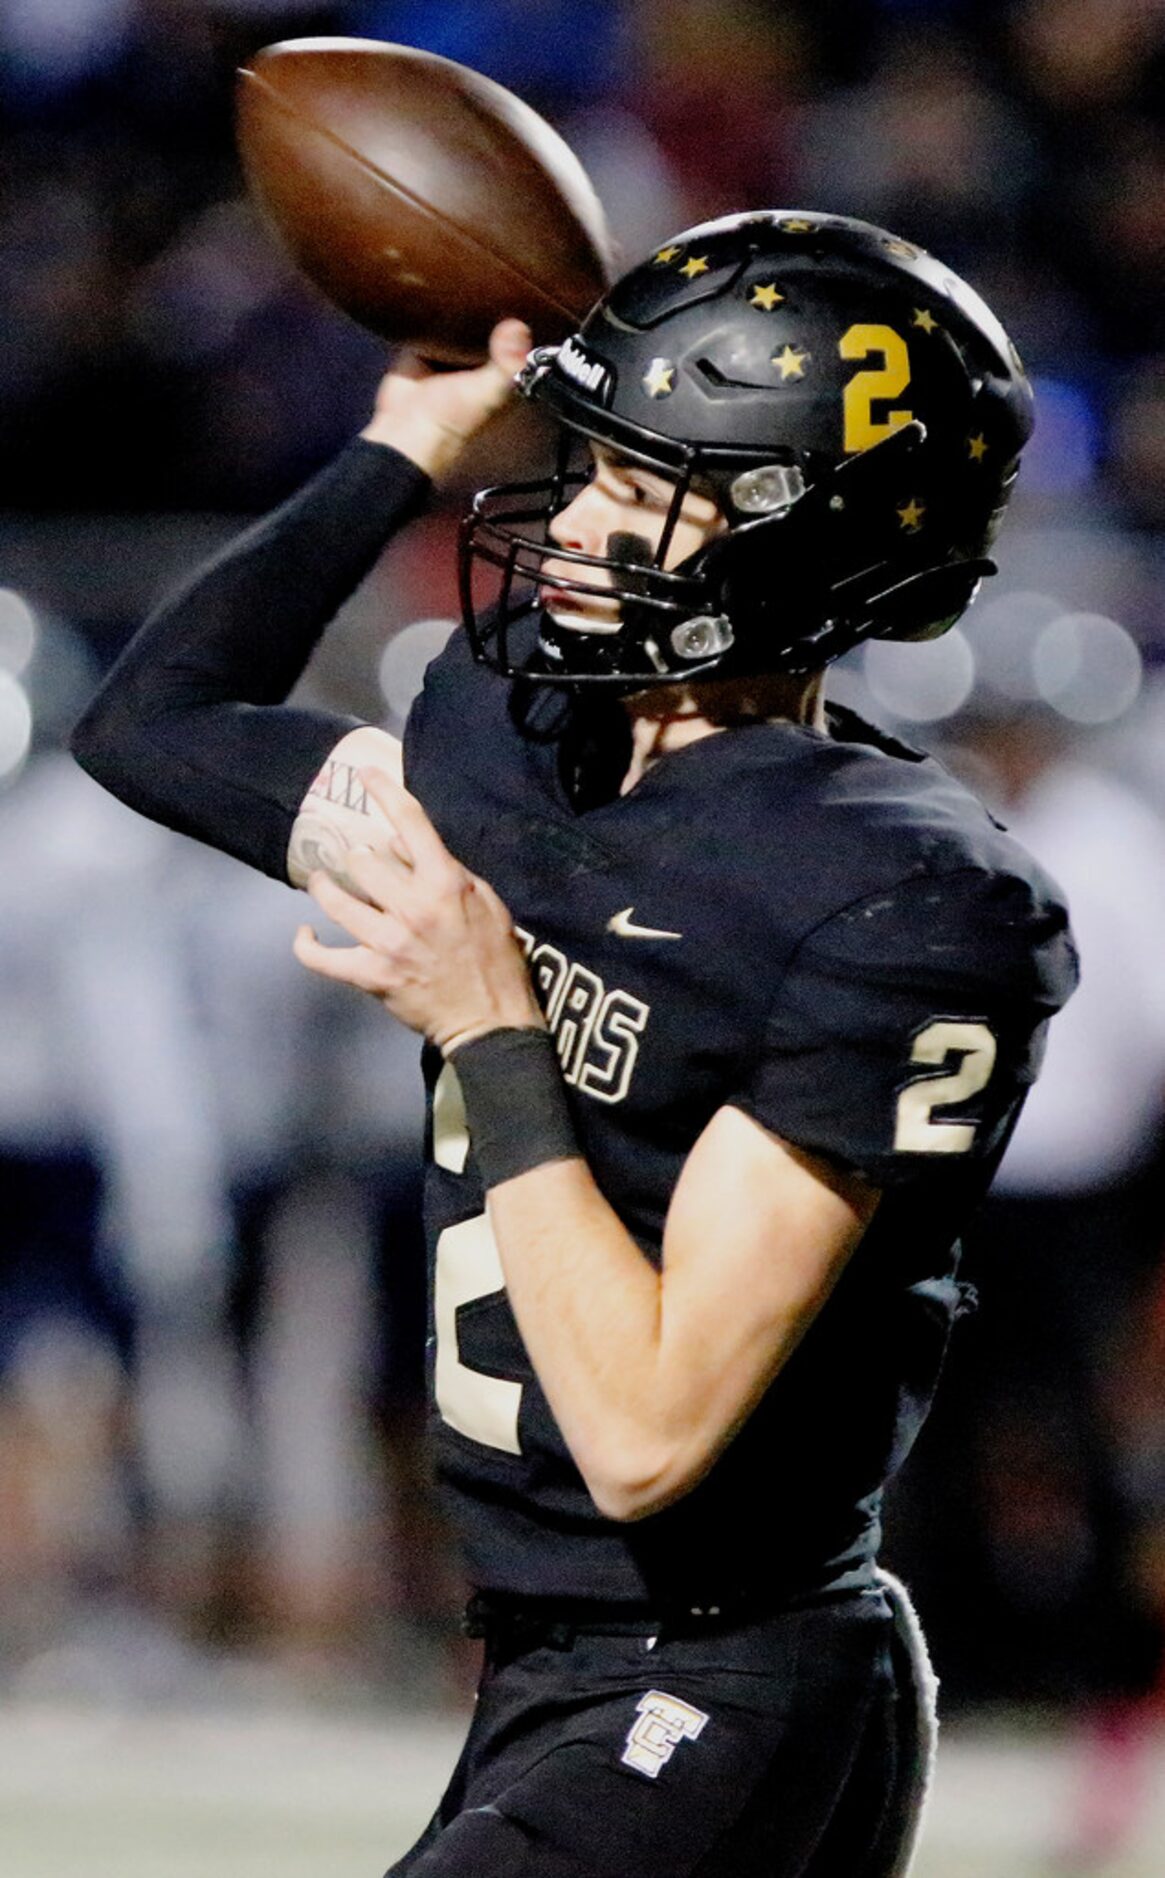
column 854, row 407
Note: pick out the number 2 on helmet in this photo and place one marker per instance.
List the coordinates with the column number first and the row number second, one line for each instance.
column 889, row 380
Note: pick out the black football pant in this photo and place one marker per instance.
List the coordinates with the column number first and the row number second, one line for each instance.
column 762, row 1750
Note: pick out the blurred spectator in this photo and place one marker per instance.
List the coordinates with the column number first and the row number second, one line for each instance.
column 159, row 349
column 1036, row 1465
column 1071, row 1244
column 926, row 146
column 1138, row 442
column 555, row 55
column 1081, row 57
column 173, row 1079
column 717, row 87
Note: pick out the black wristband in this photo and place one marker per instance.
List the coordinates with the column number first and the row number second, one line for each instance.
column 515, row 1102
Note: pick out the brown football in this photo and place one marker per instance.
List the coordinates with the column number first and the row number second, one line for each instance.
column 424, row 199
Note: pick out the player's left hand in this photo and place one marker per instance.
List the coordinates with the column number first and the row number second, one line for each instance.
column 433, row 941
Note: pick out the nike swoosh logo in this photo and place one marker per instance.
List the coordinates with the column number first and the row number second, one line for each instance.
column 624, row 926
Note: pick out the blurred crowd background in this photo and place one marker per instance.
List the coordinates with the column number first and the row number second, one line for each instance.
column 211, row 1313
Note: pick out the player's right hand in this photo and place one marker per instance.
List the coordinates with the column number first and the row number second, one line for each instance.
column 429, row 416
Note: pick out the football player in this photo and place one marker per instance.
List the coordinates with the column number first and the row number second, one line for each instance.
column 729, row 1002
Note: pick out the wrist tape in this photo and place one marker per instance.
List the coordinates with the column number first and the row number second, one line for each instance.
column 515, row 1102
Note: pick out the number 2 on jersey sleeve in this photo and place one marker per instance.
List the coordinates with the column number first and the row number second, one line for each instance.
column 917, row 1132
column 468, row 1267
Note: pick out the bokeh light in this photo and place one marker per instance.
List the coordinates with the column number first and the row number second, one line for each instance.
column 15, row 726
column 921, row 683
column 1004, row 631
column 17, row 631
column 1087, row 667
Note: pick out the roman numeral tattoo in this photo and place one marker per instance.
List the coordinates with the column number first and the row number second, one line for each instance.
column 339, row 782
column 320, row 835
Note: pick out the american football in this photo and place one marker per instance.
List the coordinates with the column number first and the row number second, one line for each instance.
column 424, row 199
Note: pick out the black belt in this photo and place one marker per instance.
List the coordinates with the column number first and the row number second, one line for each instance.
column 556, row 1622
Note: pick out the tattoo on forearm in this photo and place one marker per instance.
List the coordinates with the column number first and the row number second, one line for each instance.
column 316, row 844
column 325, row 829
column 339, row 782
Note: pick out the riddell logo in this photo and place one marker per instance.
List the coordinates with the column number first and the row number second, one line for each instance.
column 586, row 371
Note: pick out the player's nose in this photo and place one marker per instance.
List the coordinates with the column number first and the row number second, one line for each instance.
column 580, row 524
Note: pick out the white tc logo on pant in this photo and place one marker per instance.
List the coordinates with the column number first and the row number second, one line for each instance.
column 662, row 1722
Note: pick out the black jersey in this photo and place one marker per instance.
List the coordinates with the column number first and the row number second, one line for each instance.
column 826, row 931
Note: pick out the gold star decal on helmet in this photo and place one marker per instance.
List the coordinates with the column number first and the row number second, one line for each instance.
column 901, row 247
column 665, row 255
column 697, row 265
column 790, row 363
column 660, row 378
column 978, row 447
column 911, row 516
column 798, row 227
column 765, row 295
column 925, row 318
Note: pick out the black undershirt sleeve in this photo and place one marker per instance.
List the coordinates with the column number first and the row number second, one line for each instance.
column 189, row 727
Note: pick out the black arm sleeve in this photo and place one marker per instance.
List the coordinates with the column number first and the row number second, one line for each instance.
column 185, row 728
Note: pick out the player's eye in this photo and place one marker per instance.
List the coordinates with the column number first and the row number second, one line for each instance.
column 646, row 494
column 621, row 488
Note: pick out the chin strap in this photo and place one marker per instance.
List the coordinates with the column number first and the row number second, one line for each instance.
column 926, row 604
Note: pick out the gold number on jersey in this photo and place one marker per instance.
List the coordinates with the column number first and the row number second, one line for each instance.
column 486, row 1408
column 469, row 1266
column 917, row 1132
column 450, row 1129
column 881, row 382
